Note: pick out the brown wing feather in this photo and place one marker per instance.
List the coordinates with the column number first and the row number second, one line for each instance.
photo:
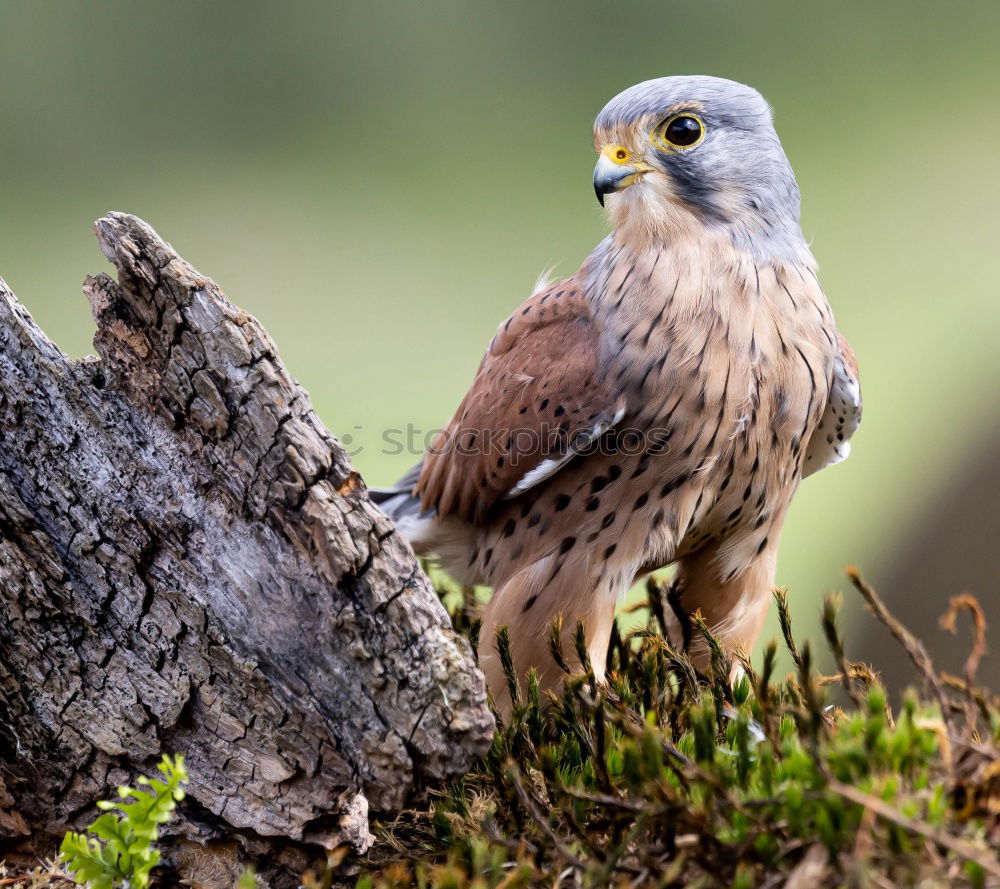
column 831, row 441
column 539, row 390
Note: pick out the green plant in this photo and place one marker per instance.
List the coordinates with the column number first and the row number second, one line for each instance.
column 122, row 851
column 667, row 776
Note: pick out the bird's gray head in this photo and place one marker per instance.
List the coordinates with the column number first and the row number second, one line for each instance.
column 680, row 152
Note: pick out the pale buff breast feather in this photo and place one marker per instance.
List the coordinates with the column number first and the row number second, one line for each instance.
column 659, row 406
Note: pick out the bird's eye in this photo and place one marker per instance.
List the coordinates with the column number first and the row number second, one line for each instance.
column 682, row 131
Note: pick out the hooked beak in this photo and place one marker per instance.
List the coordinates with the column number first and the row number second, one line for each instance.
column 615, row 170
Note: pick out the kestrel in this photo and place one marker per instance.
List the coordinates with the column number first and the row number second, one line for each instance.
column 659, row 406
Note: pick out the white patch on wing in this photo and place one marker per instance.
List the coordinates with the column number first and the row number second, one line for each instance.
column 830, row 443
column 552, row 465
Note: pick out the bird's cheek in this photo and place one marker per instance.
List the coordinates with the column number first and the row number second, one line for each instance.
column 730, row 203
column 653, row 186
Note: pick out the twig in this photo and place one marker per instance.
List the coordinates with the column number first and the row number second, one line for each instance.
column 611, row 862
column 989, row 863
column 949, row 621
column 605, row 799
column 54, row 875
column 910, row 643
column 533, row 809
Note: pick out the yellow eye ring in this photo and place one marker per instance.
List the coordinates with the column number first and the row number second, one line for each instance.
column 680, row 132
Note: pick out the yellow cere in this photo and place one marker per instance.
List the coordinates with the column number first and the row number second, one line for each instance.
column 617, row 153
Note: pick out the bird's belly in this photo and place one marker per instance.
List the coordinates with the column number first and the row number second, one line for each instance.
column 738, row 482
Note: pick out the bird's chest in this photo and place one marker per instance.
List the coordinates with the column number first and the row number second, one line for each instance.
column 728, row 389
column 761, row 464
column 757, row 465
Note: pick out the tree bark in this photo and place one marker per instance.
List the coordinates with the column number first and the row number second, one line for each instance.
column 189, row 564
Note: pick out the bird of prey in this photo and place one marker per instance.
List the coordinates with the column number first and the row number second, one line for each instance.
column 659, row 406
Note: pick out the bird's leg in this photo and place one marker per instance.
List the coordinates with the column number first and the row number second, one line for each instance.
column 529, row 602
column 733, row 598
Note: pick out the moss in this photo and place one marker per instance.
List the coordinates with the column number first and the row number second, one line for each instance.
column 668, row 777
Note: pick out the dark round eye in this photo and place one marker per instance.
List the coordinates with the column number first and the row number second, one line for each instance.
column 683, row 130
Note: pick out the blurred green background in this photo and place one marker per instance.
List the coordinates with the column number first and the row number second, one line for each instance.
column 380, row 183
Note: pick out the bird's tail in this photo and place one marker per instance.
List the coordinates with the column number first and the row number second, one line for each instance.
column 397, row 501
column 449, row 541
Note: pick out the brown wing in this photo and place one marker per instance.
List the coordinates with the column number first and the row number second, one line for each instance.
column 831, row 442
column 538, row 398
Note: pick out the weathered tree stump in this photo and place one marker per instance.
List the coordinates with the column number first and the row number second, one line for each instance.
column 189, row 564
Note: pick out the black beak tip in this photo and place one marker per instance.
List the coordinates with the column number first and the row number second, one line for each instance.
column 600, row 194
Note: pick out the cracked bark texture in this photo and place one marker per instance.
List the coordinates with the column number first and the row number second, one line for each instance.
column 189, row 564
